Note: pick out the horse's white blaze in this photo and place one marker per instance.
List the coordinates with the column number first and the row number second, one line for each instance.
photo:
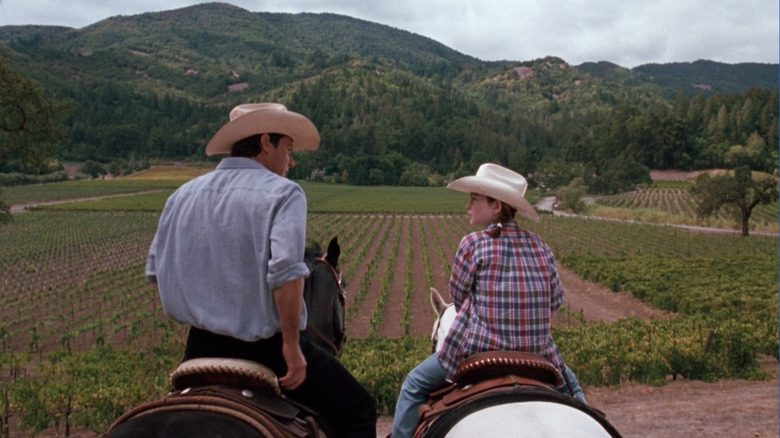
column 536, row 419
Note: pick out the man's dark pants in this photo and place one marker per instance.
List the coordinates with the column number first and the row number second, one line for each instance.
column 328, row 389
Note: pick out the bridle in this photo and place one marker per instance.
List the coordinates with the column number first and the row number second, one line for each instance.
column 336, row 275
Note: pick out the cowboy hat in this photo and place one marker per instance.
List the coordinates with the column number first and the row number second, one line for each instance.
column 264, row 118
column 499, row 183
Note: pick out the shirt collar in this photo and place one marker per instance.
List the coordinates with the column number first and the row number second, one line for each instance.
column 239, row 163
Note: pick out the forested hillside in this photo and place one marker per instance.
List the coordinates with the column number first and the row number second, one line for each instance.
column 393, row 107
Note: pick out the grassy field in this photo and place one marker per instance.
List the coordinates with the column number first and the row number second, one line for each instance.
column 666, row 202
column 156, row 186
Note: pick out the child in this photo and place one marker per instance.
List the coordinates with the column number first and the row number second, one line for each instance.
column 504, row 284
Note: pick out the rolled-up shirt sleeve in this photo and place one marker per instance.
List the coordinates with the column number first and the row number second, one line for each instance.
column 151, row 267
column 288, row 240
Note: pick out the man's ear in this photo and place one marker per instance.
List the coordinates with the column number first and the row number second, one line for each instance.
column 265, row 142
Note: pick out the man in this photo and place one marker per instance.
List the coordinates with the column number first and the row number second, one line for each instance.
column 228, row 261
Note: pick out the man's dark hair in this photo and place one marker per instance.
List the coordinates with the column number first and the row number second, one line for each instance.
column 250, row 146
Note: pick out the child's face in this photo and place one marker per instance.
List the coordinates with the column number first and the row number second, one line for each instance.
column 480, row 211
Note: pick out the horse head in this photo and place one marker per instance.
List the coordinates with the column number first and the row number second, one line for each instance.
column 325, row 298
column 445, row 316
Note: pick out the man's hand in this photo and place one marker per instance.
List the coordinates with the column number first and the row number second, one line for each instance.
column 296, row 367
column 289, row 301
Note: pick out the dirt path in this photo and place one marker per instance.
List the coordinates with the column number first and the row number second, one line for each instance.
column 724, row 409
column 19, row 208
column 728, row 408
column 598, row 303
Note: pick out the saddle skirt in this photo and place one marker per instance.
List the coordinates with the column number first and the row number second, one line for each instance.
column 245, row 390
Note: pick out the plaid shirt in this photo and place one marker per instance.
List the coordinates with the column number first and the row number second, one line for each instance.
column 506, row 290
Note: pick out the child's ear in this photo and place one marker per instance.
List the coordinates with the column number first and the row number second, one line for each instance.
column 497, row 206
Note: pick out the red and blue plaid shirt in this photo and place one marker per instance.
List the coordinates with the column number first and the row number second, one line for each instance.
column 506, row 290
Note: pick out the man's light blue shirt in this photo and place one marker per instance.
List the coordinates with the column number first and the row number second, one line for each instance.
column 225, row 241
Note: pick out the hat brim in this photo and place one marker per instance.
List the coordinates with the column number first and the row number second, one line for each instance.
column 302, row 131
column 496, row 190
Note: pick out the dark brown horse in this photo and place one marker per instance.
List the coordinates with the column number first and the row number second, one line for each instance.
column 219, row 397
column 325, row 297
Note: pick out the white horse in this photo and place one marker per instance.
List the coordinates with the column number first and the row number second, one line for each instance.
column 531, row 411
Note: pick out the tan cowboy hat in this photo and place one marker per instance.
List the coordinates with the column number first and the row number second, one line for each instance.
column 498, row 183
column 264, row 118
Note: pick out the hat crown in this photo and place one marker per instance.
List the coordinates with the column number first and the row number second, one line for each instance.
column 251, row 119
column 247, row 108
column 500, row 174
column 499, row 183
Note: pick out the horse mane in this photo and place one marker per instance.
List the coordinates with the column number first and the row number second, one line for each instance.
column 325, row 297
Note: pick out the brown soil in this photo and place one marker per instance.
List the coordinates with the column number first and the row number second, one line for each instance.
column 681, row 408
column 728, row 408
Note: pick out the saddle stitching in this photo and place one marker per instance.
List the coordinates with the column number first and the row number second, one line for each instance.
column 226, row 371
column 498, row 363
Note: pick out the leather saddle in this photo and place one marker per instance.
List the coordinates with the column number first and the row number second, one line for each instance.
column 488, row 374
column 495, row 377
column 245, row 390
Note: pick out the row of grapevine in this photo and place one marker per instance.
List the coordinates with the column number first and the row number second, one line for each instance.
column 72, row 285
column 69, row 277
column 680, row 202
column 49, row 302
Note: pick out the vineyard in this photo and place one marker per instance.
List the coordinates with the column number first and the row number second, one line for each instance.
column 84, row 337
column 673, row 203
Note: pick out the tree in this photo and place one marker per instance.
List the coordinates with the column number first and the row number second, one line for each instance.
column 750, row 155
column 93, row 169
column 571, row 196
column 30, row 124
column 738, row 189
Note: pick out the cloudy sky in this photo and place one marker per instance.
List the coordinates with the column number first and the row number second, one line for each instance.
column 626, row 32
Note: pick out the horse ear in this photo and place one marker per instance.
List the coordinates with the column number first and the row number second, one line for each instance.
column 334, row 252
column 437, row 302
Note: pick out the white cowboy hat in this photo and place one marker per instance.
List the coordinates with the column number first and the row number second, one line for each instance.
column 498, row 183
column 264, row 118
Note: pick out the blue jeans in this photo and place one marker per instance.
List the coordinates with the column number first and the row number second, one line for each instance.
column 575, row 385
column 429, row 376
